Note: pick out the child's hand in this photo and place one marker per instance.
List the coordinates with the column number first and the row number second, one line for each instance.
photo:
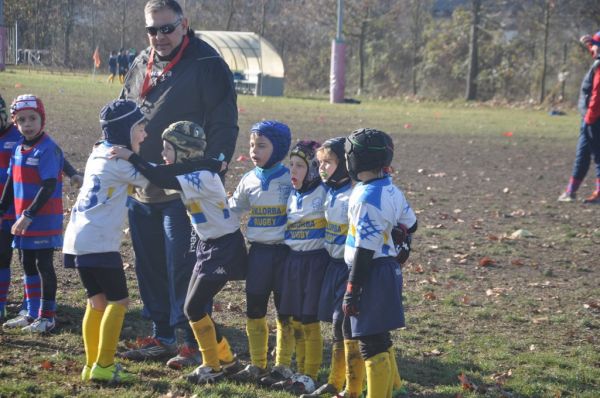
column 21, row 225
column 120, row 152
column 76, row 181
column 585, row 40
column 223, row 166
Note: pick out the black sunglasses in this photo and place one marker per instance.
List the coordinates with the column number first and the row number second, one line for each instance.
column 165, row 29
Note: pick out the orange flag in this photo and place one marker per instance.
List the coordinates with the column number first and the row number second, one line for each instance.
column 96, row 58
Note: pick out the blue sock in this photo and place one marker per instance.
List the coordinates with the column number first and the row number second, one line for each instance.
column 33, row 293
column 48, row 309
column 4, row 285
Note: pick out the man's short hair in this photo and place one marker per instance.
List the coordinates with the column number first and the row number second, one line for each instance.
column 157, row 5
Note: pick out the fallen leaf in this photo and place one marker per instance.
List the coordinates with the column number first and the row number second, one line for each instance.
column 492, row 237
column 46, row 365
column 466, row 383
column 407, row 125
column 418, row 268
column 532, row 347
column 433, row 353
column 517, row 262
column 126, row 265
column 486, row 262
column 234, row 307
column 242, row 158
column 429, row 296
column 465, row 300
column 540, row 320
column 501, row 377
column 508, row 134
column 521, row 233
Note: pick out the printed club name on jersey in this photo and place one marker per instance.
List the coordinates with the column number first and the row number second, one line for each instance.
column 310, row 229
column 267, row 216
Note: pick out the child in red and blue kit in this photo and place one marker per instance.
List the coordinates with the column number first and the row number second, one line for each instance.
column 9, row 138
column 34, row 186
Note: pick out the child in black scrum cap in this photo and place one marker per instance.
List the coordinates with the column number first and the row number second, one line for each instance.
column 221, row 251
column 373, row 298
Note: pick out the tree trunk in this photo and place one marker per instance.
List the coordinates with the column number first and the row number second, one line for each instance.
column 361, row 50
column 545, row 51
column 231, row 14
column 416, row 28
column 123, row 23
column 471, row 92
column 263, row 16
column 68, row 30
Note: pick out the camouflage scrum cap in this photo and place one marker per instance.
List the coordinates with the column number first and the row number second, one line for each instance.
column 188, row 140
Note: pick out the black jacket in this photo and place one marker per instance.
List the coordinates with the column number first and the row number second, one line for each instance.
column 198, row 88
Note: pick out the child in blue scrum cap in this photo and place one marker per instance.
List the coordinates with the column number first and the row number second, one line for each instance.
column 263, row 193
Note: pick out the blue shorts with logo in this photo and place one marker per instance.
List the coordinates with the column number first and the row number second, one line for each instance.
column 301, row 280
column 380, row 307
column 265, row 263
column 222, row 259
column 332, row 290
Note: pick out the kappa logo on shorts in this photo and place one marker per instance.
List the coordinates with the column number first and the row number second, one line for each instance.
column 220, row 271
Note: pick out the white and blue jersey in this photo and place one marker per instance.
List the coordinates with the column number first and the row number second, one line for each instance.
column 374, row 209
column 98, row 216
column 264, row 194
column 305, row 230
column 336, row 214
column 204, row 197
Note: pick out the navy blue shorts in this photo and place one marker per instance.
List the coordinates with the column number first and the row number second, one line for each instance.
column 332, row 290
column 95, row 260
column 301, row 281
column 222, row 259
column 380, row 307
column 110, row 281
column 264, row 268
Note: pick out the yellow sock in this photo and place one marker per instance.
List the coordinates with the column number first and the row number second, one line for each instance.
column 300, row 347
column 355, row 368
column 285, row 342
column 337, row 372
column 224, row 350
column 90, row 329
column 396, row 380
column 314, row 349
column 206, row 336
column 258, row 339
column 378, row 375
column 110, row 330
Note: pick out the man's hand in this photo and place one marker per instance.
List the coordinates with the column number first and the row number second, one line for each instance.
column 351, row 300
column 120, row 152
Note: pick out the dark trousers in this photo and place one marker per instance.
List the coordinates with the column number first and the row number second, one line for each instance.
column 164, row 260
column 588, row 146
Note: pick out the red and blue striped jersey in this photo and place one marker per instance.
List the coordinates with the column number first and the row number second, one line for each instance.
column 9, row 139
column 29, row 167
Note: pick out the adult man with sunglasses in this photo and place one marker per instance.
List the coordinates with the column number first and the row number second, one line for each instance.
column 179, row 77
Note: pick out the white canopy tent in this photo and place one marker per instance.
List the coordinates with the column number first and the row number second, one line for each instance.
column 257, row 67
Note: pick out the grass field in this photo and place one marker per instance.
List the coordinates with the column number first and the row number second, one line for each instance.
column 518, row 314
